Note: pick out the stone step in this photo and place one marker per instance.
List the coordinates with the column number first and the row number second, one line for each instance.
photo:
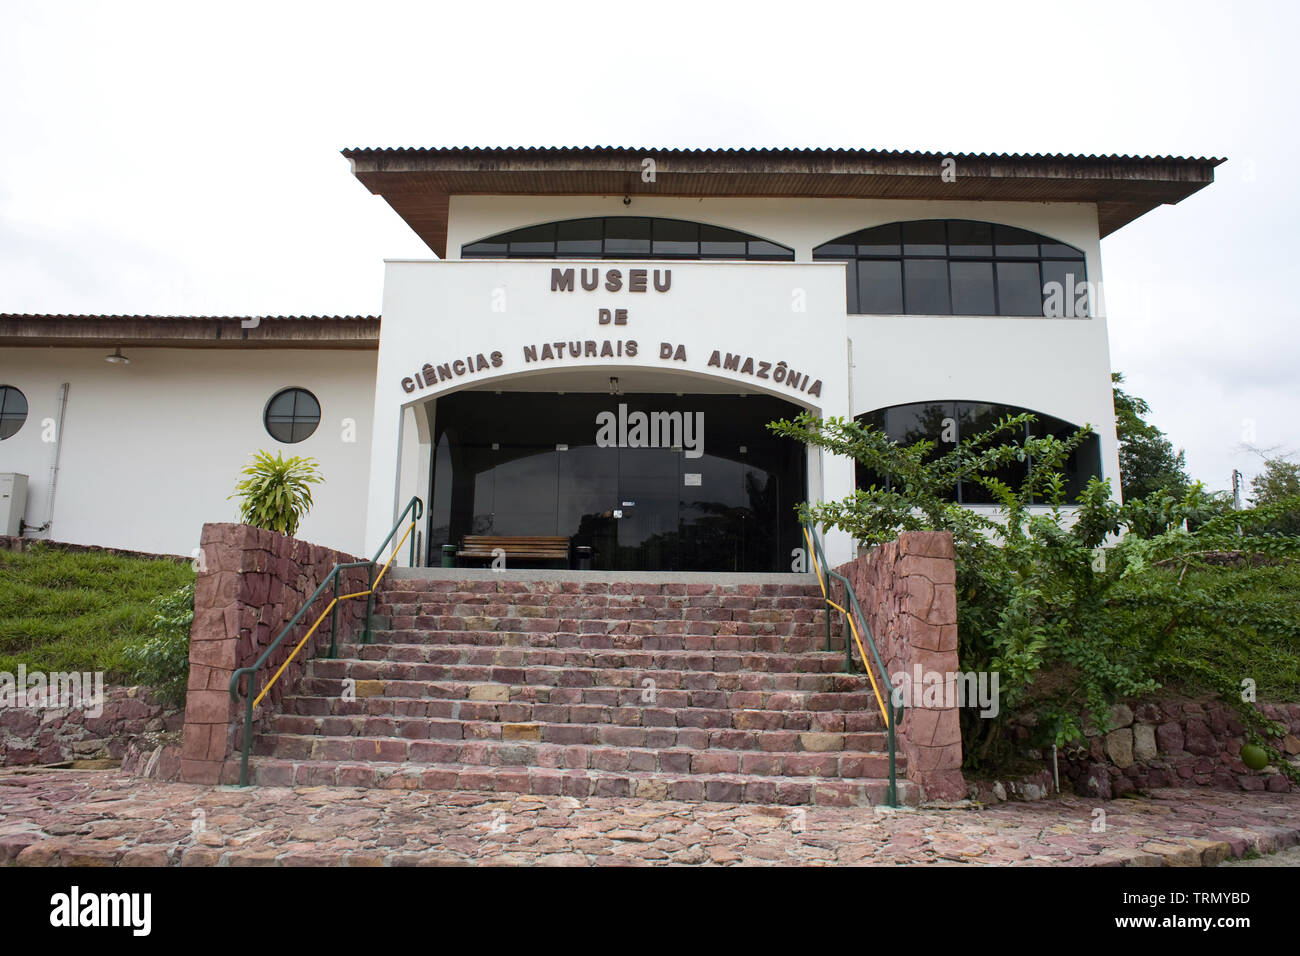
column 441, row 700
column 632, row 622
column 698, row 730
column 539, row 601
column 525, row 648
column 541, row 781
column 414, row 590
column 576, row 756
column 807, row 611
column 431, row 662
column 397, row 684
column 600, row 639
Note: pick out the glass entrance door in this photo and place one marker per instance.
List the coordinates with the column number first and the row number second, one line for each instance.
column 537, row 464
column 648, row 508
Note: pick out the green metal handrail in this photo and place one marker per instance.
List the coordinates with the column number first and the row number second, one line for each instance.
column 415, row 508
column 891, row 714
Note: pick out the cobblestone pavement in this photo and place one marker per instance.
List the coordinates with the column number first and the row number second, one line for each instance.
column 107, row 818
column 1287, row 857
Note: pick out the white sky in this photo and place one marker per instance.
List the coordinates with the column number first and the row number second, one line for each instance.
column 183, row 159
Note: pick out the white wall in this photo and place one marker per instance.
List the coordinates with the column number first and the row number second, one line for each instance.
column 437, row 312
column 1058, row 367
column 151, row 450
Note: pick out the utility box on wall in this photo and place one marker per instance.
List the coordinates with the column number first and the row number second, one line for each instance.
column 13, row 502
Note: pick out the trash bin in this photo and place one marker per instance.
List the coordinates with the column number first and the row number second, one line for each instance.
column 583, row 553
column 448, row 555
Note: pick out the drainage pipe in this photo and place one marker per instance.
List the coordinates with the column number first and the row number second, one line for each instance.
column 54, row 464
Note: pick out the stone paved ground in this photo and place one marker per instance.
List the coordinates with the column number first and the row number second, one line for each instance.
column 107, row 818
column 1287, row 857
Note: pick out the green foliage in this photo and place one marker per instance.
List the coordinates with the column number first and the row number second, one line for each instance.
column 1279, row 480
column 1073, row 608
column 276, row 494
column 162, row 661
column 1147, row 461
column 65, row 610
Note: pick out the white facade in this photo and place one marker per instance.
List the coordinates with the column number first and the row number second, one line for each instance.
column 150, row 451
column 793, row 320
column 795, row 313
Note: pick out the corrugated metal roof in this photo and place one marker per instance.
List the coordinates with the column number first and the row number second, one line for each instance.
column 419, row 181
column 190, row 331
column 757, row 152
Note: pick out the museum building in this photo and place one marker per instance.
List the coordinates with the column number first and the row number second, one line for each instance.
column 594, row 350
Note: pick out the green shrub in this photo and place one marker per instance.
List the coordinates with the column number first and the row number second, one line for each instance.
column 163, row 660
column 276, row 494
column 1068, row 612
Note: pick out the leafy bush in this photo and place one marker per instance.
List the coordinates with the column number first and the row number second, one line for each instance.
column 163, row 660
column 1069, row 613
column 276, row 493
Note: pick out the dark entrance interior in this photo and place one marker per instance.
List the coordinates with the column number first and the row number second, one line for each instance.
column 526, row 463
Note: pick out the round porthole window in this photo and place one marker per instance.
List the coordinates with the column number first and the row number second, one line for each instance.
column 292, row 415
column 13, row 411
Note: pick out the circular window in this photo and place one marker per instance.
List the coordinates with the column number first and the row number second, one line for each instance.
column 292, row 415
column 13, row 410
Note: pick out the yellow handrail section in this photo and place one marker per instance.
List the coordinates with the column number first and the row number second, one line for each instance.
column 325, row 613
column 852, row 625
column 858, row 640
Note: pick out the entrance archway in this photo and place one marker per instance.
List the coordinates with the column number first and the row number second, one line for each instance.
column 643, row 481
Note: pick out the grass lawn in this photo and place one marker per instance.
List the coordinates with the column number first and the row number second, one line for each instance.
column 71, row 610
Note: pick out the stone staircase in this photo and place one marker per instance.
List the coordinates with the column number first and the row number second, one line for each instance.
column 682, row 691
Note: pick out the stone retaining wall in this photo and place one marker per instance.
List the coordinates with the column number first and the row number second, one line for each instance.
column 251, row 584
column 907, row 589
column 41, row 735
column 1174, row 741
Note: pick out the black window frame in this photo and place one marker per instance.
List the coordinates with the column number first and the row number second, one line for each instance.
column 294, row 419
column 1008, row 244
column 657, row 229
column 7, row 416
column 1076, row 469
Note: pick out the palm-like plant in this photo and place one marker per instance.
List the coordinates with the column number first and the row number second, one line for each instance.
column 276, row 492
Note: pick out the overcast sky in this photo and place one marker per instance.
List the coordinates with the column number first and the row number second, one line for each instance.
column 174, row 158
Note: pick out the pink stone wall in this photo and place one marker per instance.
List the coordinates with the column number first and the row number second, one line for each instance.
column 1174, row 741
column 40, row 735
column 908, row 592
column 252, row 583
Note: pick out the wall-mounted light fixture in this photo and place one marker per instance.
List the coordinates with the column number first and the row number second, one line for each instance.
column 117, row 358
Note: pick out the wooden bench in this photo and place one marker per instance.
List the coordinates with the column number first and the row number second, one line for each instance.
column 524, row 547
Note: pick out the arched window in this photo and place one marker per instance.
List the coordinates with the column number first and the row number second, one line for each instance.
column 959, row 267
column 626, row 237
column 947, row 422
column 13, row 411
column 292, row 415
